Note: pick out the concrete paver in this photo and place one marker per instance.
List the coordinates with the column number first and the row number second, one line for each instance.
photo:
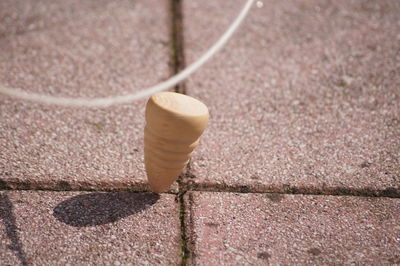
column 19, row 17
column 304, row 97
column 279, row 229
column 79, row 49
column 80, row 228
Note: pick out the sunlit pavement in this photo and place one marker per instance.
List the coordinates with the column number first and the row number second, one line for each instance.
column 299, row 164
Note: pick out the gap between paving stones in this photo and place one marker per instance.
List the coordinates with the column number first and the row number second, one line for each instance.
column 185, row 184
column 286, row 189
column 178, row 63
column 183, row 189
column 177, row 42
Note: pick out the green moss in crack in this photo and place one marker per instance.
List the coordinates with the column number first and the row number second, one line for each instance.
column 3, row 184
column 64, row 185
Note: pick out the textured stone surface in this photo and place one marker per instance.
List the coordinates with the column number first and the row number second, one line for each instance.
column 80, row 228
column 255, row 229
column 78, row 49
column 21, row 16
column 305, row 97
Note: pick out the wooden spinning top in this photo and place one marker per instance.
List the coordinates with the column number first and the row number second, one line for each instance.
column 174, row 123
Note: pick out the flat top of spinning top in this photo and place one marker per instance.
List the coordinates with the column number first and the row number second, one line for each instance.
column 180, row 104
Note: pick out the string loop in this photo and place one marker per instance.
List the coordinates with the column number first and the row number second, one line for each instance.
column 121, row 99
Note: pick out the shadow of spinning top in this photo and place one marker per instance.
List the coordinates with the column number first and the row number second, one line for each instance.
column 174, row 123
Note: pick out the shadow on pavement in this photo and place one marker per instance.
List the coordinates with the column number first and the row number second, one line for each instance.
column 102, row 208
column 8, row 218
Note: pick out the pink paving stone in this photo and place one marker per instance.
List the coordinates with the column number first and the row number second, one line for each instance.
column 279, row 229
column 79, row 228
column 21, row 16
column 304, row 97
column 79, row 49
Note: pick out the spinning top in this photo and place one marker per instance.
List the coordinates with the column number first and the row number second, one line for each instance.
column 174, row 123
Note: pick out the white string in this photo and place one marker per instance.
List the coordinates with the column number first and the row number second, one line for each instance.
column 107, row 101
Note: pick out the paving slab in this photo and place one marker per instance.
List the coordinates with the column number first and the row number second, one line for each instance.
column 279, row 229
column 78, row 49
column 19, row 17
column 304, row 98
column 80, row 228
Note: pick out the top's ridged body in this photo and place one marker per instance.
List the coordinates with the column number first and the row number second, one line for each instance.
column 174, row 123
